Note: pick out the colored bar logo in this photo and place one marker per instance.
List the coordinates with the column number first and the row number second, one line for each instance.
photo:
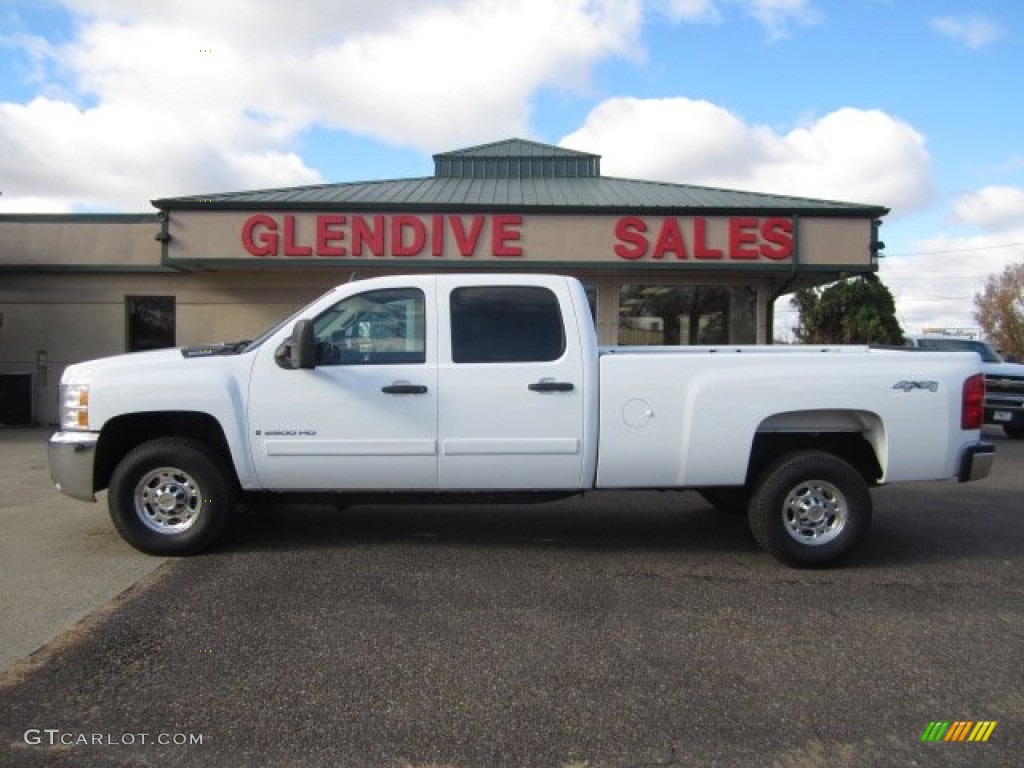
column 958, row 730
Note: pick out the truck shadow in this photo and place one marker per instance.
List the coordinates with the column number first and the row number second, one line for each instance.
column 637, row 520
column 915, row 524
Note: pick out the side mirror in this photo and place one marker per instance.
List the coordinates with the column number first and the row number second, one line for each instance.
column 299, row 351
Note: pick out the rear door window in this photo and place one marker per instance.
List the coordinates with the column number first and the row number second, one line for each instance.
column 506, row 324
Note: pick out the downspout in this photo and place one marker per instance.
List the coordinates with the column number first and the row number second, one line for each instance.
column 788, row 282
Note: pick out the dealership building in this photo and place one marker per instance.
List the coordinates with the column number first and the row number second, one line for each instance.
column 662, row 263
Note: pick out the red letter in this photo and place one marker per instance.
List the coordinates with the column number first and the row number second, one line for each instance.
column 778, row 232
column 742, row 240
column 502, row 236
column 362, row 232
column 466, row 242
column 261, row 243
column 700, row 241
column 629, row 231
column 326, row 234
column 290, row 246
column 670, row 240
column 437, row 236
column 399, row 225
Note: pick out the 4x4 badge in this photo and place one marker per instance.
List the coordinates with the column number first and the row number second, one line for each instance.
column 907, row 386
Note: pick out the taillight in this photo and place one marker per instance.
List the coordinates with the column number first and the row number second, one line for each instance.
column 972, row 413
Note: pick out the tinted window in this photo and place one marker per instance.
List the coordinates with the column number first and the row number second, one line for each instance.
column 150, row 322
column 373, row 328
column 506, row 324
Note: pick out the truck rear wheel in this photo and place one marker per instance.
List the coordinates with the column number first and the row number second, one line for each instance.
column 1014, row 431
column 810, row 508
column 170, row 496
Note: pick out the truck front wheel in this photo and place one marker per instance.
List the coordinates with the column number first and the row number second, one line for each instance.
column 810, row 508
column 170, row 496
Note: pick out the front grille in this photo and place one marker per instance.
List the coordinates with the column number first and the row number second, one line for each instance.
column 1009, row 385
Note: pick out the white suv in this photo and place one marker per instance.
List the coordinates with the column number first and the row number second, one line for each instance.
column 1004, row 382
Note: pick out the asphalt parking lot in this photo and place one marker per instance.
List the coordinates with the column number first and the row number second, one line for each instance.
column 636, row 629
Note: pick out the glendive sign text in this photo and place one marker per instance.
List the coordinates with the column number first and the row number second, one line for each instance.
column 505, row 236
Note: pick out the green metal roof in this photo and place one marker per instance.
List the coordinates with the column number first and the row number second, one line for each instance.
column 518, row 174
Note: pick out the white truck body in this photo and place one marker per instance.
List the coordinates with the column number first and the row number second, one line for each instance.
column 443, row 388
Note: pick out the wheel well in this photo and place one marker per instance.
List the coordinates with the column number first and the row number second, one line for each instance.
column 122, row 434
column 852, row 447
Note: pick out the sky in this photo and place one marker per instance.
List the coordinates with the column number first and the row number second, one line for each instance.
column 915, row 105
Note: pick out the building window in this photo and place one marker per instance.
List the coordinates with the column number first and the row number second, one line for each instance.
column 150, row 322
column 686, row 314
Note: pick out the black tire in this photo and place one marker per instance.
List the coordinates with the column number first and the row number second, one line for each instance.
column 170, row 496
column 810, row 509
column 1014, row 431
column 732, row 500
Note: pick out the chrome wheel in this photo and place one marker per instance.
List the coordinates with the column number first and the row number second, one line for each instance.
column 171, row 496
column 810, row 508
column 815, row 512
column 168, row 500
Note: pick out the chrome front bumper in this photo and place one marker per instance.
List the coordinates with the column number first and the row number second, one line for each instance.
column 71, row 456
column 976, row 462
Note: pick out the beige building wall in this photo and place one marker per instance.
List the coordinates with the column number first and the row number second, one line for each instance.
column 80, row 241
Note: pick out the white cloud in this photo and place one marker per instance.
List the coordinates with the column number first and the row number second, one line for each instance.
column 190, row 96
column 992, row 208
column 935, row 286
column 475, row 88
column 691, row 11
column 9, row 204
column 864, row 156
column 778, row 17
column 975, row 31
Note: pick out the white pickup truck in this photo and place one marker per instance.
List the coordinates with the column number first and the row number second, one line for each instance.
column 493, row 387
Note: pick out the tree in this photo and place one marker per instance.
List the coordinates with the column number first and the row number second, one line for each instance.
column 860, row 310
column 999, row 310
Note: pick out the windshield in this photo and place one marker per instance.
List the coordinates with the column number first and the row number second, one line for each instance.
column 984, row 351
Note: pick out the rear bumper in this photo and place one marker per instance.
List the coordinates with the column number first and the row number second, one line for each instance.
column 72, row 455
column 976, row 462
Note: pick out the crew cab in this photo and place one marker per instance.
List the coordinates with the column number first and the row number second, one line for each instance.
column 1004, row 381
column 461, row 386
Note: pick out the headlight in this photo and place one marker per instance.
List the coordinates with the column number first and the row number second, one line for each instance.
column 74, row 406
